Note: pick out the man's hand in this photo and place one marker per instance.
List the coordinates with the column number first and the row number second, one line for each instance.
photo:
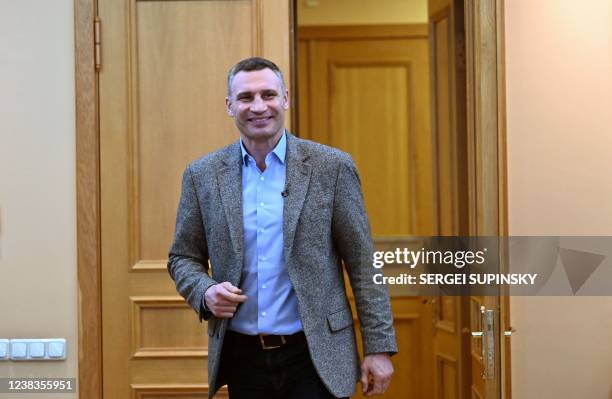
column 376, row 372
column 223, row 299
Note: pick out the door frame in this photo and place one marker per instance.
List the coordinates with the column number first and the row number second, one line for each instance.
column 487, row 147
column 486, row 153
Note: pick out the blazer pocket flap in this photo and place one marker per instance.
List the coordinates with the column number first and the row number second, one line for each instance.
column 340, row 320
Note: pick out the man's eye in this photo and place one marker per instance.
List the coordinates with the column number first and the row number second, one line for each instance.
column 244, row 99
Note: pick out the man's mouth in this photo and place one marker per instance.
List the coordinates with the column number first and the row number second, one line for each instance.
column 260, row 119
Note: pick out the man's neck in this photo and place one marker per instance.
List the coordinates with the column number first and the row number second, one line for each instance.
column 259, row 149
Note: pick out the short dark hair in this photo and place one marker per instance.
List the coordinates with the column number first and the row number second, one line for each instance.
column 253, row 64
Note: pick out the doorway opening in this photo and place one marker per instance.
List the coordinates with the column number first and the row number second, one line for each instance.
column 394, row 84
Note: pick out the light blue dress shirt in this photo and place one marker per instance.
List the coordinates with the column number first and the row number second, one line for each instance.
column 271, row 307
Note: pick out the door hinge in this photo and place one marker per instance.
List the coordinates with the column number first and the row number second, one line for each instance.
column 98, row 43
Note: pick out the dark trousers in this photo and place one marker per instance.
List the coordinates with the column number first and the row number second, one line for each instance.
column 282, row 373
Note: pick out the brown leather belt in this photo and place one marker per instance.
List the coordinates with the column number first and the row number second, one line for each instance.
column 265, row 341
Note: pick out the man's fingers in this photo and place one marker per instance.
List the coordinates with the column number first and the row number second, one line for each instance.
column 225, row 302
column 226, row 309
column 364, row 378
column 377, row 387
column 231, row 288
column 230, row 296
column 224, row 315
column 376, row 372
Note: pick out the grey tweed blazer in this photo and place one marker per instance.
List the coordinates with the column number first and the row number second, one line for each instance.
column 324, row 225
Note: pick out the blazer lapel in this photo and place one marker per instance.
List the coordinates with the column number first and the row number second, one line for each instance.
column 229, row 178
column 296, row 186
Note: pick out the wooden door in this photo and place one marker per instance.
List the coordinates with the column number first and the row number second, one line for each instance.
column 162, row 89
column 460, row 371
column 365, row 90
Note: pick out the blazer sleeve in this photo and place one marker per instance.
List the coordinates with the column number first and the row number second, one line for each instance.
column 188, row 258
column 351, row 234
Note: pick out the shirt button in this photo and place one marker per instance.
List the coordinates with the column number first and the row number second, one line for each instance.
column 261, row 178
column 263, row 314
column 261, row 204
column 263, row 258
column 264, row 286
column 261, row 230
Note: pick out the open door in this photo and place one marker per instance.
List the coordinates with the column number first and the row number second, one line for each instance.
column 467, row 334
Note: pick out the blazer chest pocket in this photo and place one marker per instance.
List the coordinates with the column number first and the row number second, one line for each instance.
column 340, row 320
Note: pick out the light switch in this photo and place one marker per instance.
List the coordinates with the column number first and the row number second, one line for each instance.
column 37, row 350
column 18, row 350
column 4, row 344
column 57, row 349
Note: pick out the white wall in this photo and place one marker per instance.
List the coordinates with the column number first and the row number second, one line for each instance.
column 559, row 104
column 38, row 286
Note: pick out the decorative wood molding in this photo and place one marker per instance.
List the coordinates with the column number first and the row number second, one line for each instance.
column 88, row 203
column 133, row 133
column 406, row 316
column 174, row 391
column 441, row 360
column 257, row 41
column 345, row 32
column 138, row 351
column 150, row 266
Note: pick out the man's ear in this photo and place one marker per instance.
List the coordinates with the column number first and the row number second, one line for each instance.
column 286, row 100
column 228, row 106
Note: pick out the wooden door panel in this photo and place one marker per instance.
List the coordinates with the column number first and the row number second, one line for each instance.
column 447, row 372
column 162, row 90
column 178, row 107
column 367, row 89
column 154, row 320
column 371, row 98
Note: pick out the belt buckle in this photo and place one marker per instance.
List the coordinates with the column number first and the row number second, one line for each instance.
column 268, row 347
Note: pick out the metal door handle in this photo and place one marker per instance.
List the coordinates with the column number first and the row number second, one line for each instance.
column 487, row 318
column 509, row 332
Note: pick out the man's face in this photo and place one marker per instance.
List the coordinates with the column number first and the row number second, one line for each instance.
column 258, row 103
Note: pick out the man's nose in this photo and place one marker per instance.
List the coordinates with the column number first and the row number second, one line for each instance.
column 258, row 104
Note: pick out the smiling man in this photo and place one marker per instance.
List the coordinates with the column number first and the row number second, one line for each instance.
column 278, row 217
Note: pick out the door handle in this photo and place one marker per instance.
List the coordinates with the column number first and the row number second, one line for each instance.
column 487, row 320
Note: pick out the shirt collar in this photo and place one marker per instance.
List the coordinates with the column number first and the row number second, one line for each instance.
column 280, row 150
